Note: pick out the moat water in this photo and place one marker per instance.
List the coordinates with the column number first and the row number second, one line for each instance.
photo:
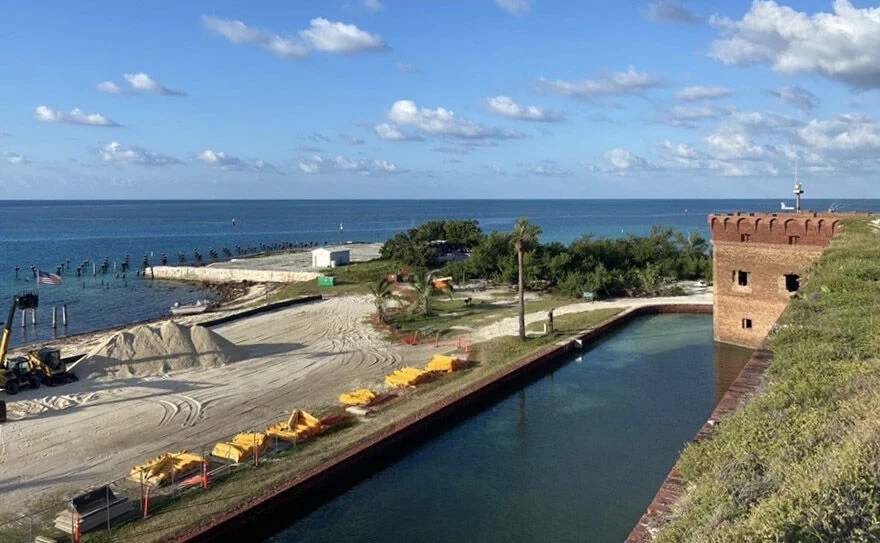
column 575, row 455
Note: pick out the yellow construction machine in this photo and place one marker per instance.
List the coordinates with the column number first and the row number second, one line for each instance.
column 16, row 372
column 50, row 367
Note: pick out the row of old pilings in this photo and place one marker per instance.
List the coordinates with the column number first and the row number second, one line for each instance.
column 87, row 267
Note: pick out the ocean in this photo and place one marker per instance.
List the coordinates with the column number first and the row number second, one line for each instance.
column 46, row 234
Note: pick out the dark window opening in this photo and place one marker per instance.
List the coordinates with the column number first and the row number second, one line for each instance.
column 742, row 278
column 747, row 324
column 793, row 240
column 792, row 282
column 745, row 237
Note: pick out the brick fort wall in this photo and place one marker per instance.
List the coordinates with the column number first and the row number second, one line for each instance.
column 760, row 261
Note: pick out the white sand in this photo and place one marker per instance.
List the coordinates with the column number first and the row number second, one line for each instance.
column 62, row 440
column 157, row 349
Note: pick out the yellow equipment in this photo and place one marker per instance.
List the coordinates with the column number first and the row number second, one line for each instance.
column 299, row 426
column 358, row 397
column 165, row 468
column 444, row 364
column 15, row 372
column 49, row 366
column 406, row 377
column 241, row 447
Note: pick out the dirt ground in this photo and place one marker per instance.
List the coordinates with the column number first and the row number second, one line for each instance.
column 61, row 440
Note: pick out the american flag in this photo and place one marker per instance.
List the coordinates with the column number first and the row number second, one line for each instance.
column 46, row 278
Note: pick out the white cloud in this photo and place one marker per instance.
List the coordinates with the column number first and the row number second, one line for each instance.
column 843, row 133
column 670, row 12
column 505, row 105
column 388, row 132
column 318, row 164
column 143, row 82
column 76, row 116
column 798, row 97
column 548, row 169
column 844, row 45
column 687, row 116
column 290, row 48
column 374, row 5
column 322, row 35
column 333, row 37
column 622, row 160
column 15, row 158
column 703, row 93
column 130, row 154
column 405, row 68
column 444, row 122
column 628, row 82
column 352, row 140
column 111, row 88
column 222, row 161
column 515, row 7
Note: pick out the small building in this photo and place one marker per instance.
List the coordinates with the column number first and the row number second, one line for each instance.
column 325, row 258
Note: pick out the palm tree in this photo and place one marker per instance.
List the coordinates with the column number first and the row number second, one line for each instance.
column 423, row 285
column 524, row 235
column 382, row 292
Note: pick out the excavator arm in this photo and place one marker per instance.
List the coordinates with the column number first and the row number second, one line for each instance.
column 22, row 301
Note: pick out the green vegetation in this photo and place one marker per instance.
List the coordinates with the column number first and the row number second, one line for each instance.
column 629, row 266
column 414, row 247
column 447, row 313
column 506, row 348
column 355, row 278
column 801, row 462
column 525, row 236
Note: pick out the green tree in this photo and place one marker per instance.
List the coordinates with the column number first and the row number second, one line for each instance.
column 525, row 235
column 382, row 292
column 424, row 290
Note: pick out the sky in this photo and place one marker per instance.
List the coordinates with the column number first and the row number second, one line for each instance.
column 438, row 99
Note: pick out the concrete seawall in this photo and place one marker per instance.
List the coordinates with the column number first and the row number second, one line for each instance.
column 266, row 513
column 210, row 274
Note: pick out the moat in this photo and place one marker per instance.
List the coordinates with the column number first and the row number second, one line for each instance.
column 576, row 454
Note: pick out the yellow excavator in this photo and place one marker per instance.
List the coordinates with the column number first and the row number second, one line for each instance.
column 16, row 372
column 50, row 367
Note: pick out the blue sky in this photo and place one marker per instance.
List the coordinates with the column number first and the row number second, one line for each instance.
column 435, row 99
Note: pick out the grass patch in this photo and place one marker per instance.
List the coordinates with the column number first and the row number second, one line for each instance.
column 352, row 279
column 801, row 462
column 506, row 348
column 446, row 313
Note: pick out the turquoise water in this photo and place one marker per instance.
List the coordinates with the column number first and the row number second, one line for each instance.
column 576, row 455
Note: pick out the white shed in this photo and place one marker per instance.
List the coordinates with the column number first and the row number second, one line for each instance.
column 325, row 258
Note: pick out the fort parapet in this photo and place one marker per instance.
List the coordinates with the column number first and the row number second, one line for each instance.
column 760, row 260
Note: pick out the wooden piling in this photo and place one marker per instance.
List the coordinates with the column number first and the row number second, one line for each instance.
column 54, row 317
column 64, row 315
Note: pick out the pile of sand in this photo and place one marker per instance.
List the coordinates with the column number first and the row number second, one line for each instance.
column 157, row 349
